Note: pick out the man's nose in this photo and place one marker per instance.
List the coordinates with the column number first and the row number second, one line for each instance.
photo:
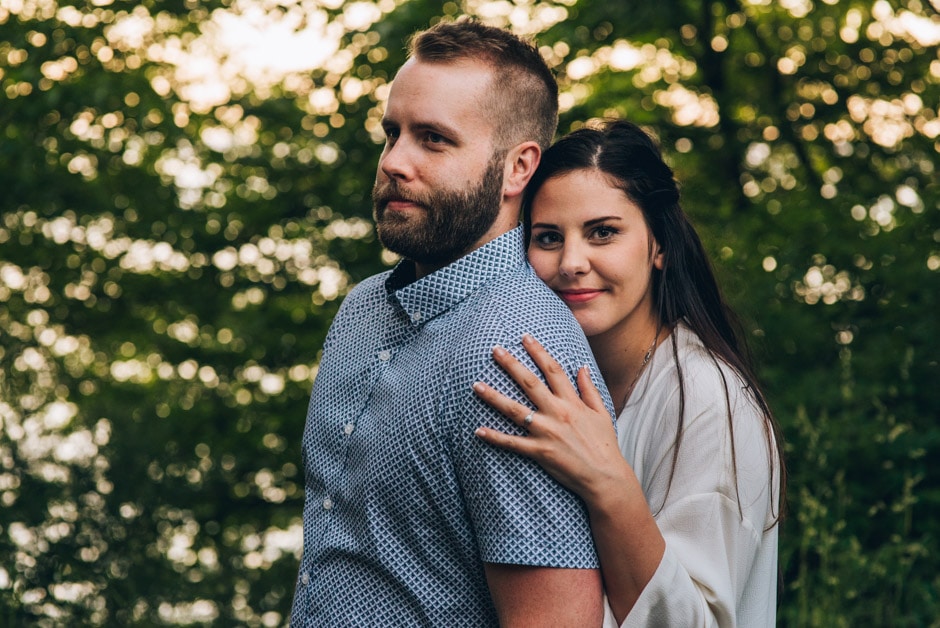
column 396, row 161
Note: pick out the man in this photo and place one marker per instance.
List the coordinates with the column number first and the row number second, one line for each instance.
column 409, row 519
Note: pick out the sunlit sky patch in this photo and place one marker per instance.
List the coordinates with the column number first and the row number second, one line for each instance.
column 254, row 46
column 250, row 46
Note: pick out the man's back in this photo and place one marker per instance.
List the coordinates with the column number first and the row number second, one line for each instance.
column 404, row 504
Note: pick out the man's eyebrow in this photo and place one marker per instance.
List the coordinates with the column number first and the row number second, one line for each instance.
column 426, row 126
column 440, row 128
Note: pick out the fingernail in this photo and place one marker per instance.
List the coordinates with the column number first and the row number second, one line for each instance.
column 527, row 338
column 478, row 386
column 497, row 350
column 480, row 431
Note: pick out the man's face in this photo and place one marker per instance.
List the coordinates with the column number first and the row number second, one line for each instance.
column 438, row 188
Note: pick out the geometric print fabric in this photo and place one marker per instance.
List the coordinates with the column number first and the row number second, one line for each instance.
column 403, row 503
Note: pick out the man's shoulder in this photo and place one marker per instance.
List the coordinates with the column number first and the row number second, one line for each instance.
column 372, row 282
column 360, row 309
column 519, row 303
column 367, row 290
column 522, row 300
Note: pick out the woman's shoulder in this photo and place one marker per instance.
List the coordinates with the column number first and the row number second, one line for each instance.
column 689, row 379
column 724, row 432
column 717, row 392
column 704, row 374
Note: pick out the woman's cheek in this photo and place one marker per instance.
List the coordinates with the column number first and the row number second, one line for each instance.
column 540, row 263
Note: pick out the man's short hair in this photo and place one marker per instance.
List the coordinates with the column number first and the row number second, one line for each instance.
column 525, row 94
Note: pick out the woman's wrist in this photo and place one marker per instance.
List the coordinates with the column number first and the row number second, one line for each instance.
column 615, row 491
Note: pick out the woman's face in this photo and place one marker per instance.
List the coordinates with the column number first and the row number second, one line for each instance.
column 591, row 245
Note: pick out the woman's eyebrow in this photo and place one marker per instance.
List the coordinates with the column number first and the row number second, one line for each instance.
column 594, row 221
column 587, row 223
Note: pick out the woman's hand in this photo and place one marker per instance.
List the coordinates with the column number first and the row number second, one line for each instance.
column 570, row 436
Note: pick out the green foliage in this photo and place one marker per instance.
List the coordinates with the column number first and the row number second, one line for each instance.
column 169, row 266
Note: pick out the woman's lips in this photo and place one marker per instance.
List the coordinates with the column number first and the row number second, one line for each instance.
column 578, row 296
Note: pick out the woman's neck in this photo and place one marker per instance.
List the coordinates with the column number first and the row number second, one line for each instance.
column 622, row 354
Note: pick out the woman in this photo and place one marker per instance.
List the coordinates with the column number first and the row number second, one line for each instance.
column 683, row 497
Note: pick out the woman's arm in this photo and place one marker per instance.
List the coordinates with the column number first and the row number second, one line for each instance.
column 575, row 441
column 689, row 566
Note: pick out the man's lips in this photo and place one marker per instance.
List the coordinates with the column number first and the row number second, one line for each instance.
column 400, row 204
column 580, row 295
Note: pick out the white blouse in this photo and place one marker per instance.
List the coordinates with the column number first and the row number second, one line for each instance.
column 720, row 564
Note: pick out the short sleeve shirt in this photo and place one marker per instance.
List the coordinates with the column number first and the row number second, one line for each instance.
column 403, row 503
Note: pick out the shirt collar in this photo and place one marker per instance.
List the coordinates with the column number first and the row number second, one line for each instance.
column 438, row 292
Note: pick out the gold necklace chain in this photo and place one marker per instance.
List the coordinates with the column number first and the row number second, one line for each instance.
column 639, row 371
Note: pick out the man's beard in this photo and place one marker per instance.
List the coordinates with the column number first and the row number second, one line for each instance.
column 449, row 222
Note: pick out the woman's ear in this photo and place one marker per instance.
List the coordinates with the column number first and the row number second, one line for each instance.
column 658, row 256
column 521, row 162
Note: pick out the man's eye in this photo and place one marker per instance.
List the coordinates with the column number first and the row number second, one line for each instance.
column 435, row 138
column 391, row 135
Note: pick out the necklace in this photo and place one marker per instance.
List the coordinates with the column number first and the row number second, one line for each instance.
column 646, row 360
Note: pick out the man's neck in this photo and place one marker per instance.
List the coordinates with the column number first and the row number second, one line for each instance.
column 423, row 270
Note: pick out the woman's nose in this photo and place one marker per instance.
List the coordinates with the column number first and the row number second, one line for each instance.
column 574, row 260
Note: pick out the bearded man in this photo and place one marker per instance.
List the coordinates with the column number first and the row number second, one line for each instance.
column 409, row 519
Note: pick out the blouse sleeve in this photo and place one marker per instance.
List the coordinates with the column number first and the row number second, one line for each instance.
column 713, row 525
column 694, row 584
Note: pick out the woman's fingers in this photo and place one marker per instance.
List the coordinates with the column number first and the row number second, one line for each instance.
column 516, row 444
column 513, row 410
column 529, row 382
column 589, row 393
column 555, row 375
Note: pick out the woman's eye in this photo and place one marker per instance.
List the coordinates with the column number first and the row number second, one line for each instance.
column 546, row 239
column 604, row 233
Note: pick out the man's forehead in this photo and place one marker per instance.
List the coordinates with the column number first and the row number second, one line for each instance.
column 434, row 77
column 440, row 94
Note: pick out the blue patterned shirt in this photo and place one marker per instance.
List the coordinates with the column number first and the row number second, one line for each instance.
column 404, row 504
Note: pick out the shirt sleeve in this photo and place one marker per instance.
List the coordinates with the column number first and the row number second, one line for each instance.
column 521, row 515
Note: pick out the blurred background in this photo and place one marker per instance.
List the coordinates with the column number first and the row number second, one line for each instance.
column 184, row 202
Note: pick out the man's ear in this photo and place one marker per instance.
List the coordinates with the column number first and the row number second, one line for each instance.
column 521, row 162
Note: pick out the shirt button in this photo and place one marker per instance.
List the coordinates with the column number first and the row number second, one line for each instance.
column 305, row 578
column 385, row 355
column 416, row 317
column 348, row 429
column 327, row 503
